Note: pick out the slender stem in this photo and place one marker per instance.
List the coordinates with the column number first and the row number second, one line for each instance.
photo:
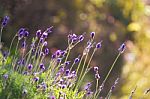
column 72, row 66
column 79, row 64
column 109, row 94
column 1, row 34
column 11, row 44
column 112, row 66
column 88, row 65
column 83, row 66
column 96, row 88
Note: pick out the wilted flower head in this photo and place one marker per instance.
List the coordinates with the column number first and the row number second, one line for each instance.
column 5, row 21
column 122, row 48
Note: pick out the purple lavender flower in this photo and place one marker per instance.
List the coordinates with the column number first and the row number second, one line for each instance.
column 53, row 56
column 114, row 85
column 99, row 45
column 92, row 34
column 38, row 33
column 81, row 38
column 63, row 86
column 5, row 76
column 21, row 33
column 67, row 72
column 42, row 54
column 26, row 33
column 87, row 86
column 122, row 48
column 96, row 68
column 5, row 21
column 30, row 66
column 97, row 76
column 5, row 54
column 45, row 43
column 63, row 53
column 42, row 67
column 58, row 53
column 76, row 60
column 67, row 63
column 24, row 44
column 36, row 79
column 61, row 70
column 46, row 51
column 44, row 86
column 61, row 81
column 52, row 97
column 21, row 62
column 59, row 60
column 49, row 29
column 45, row 35
column 41, row 40
column 89, row 92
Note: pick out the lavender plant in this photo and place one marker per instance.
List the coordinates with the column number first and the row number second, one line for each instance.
column 26, row 75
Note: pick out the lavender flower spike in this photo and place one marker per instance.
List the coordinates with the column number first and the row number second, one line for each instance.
column 122, row 48
column 5, row 21
column 99, row 44
column 92, row 34
column 30, row 66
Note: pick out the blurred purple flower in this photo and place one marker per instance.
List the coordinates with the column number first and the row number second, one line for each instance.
column 46, row 51
column 99, row 45
column 30, row 66
column 5, row 76
column 122, row 48
column 38, row 33
column 5, row 21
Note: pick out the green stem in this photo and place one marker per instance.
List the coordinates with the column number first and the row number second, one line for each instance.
column 112, row 66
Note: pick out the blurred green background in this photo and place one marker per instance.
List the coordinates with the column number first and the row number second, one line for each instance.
column 114, row 21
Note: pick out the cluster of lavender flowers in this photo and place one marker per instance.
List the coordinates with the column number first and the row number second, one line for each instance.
column 60, row 78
